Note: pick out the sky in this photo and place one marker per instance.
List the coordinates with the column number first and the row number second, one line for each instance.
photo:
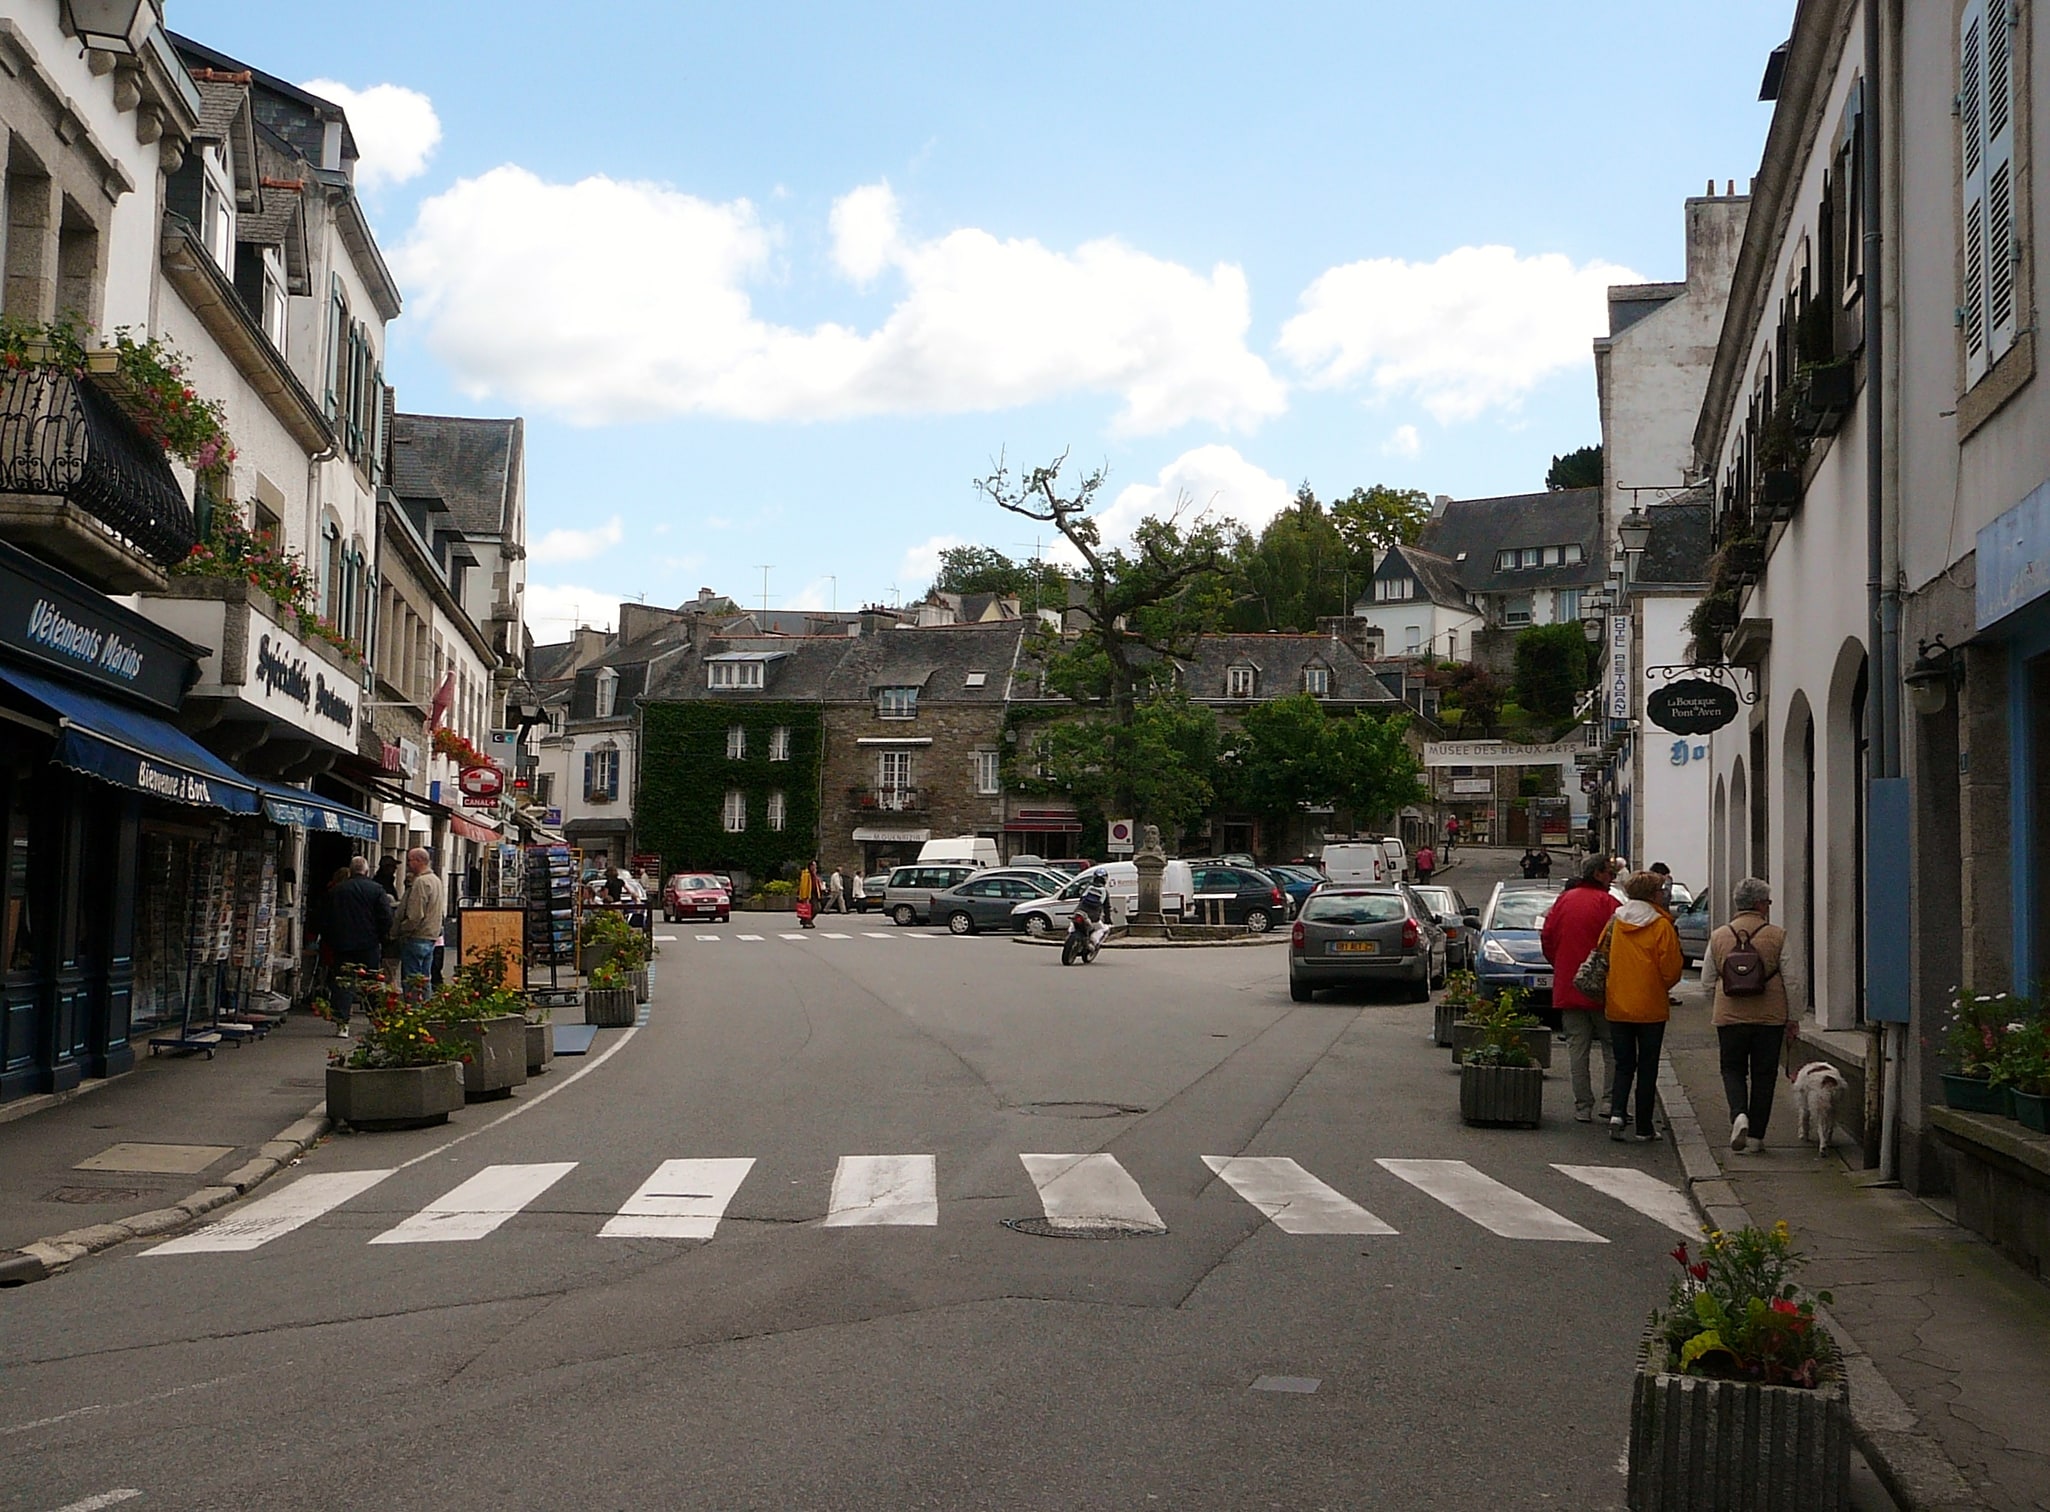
column 774, row 285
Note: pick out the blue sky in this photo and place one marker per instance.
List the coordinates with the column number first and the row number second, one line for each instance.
column 773, row 284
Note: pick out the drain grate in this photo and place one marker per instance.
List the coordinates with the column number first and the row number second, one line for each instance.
column 82, row 1195
column 1077, row 1110
column 1084, row 1228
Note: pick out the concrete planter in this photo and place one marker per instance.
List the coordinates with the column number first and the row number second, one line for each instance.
column 591, row 957
column 610, row 1007
column 1537, row 1040
column 766, row 903
column 397, row 1097
column 641, row 985
column 1974, row 1094
column 540, row 1047
column 1502, row 1095
column 1443, row 1016
column 498, row 1053
column 1703, row 1445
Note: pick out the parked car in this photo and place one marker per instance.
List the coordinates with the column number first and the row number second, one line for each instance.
column 989, row 900
column 1295, row 883
column 1452, row 912
column 907, row 894
column 1510, row 953
column 1350, row 935
column 1399, row 869
column 1692, row 923
column 871, row 898
column 1237, row 895
column 1074, row 866
column 1120, row 879
column 696, row 895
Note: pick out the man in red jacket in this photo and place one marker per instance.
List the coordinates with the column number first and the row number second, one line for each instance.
column 1572, row 930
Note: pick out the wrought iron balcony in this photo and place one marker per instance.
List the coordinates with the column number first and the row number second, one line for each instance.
column 888, row 800
column 61, row 438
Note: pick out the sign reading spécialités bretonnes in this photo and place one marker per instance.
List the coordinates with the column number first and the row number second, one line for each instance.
column 47, row 617
column 286, row 678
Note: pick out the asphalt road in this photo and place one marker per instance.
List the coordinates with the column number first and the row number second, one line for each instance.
column 525, row 1358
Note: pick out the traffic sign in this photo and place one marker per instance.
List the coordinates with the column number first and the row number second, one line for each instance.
column 1121, row 832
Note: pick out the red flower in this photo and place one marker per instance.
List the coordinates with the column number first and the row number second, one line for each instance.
column 1698, row 1270
column 1679, row 1252
column 1782, row 1305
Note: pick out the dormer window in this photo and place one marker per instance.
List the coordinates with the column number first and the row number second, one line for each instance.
column 730, row 674
column 1238, row 682
column 897, row 703
column 1395, row 590
column 1317, row 680
column 217, row 209
column 606, row 693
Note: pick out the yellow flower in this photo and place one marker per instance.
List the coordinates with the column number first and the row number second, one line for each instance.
column 1781, row 1232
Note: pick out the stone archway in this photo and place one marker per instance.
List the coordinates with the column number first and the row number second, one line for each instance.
column 1719, row 878
column 1797, row 892
column 1839, row 943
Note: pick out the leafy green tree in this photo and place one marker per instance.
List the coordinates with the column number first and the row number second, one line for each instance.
column 1551, row 669
column 984, row 569
column 1479, row 694
column 1296, row 571
column 1288, row 752
column 1581, row 468
column 1158, row 765
column 1373, row 770
column 1373, row 519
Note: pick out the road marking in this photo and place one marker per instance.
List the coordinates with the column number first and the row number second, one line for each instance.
column 479, row 1205
column 104, row 1499
column 884, row 1189
column 713, row 938
column 839, row 937
column 665, row 939
column 872, row 934
column 1660, row 1201
column 1495, row 1207
column 749, row 937
column 266, row 1218
column 1079, row 1190
column 1297, row 1201
column 684, row 1199
column 790, row 937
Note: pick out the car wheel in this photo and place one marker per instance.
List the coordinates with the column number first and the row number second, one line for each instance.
column 1420, row 989
column 904, row 915
column 1259, row 920
column 1038, row 924
column 960, row 924
column 1298, row 992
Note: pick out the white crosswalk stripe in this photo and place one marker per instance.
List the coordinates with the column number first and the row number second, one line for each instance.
column 263, row 1219
column 713, row 938
column 684, row 1199
column 1660, row 1201
column 1499, row 1209
column 839, row 937
column 478, row 1206
column 1080, row 1190
column 871, row 1190
column 874, row 934
column 790, row 937
column 1296, row 1201
column 749, row 937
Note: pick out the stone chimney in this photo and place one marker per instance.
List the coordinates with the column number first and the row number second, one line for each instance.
column 637, row 620
column 1355, row 632
column 1438, row 504
column 590, row 646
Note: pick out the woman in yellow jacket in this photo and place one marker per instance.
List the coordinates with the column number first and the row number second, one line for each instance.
column 1644, row 963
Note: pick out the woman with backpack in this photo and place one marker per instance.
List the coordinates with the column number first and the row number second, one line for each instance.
column 1750, row 1010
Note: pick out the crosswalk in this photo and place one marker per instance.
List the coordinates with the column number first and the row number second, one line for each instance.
column 751, row 937
column 688, row 1199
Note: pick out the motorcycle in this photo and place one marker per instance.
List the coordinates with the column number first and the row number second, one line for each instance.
column 1085, row 936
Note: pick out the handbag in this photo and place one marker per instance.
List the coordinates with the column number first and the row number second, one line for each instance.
column 803, row 908
column 1592, row 979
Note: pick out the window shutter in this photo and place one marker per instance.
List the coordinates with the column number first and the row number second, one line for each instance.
column 2000, row 239
column 337, row 317
column 590, row 773
column 1972, row 152
column 612, row 775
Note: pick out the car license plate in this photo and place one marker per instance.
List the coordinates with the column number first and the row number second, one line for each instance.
column 1352, row 947
column 1543, row 979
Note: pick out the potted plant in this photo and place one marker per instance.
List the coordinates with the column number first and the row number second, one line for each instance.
column 2023, row 1067
column 1971, row 1047
column 1470, row 1031
column 1500, row 1081
column 609, row 997
column 402, row 1072
column 1462, row 991
column 1738, row 1388
column 478, row 1011
column 605, row 933
column 1713, row 617
column 1781, row 450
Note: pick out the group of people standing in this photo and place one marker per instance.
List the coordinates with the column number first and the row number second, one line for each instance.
column 360, row 919
column 827, row 893
column 1628, row 1020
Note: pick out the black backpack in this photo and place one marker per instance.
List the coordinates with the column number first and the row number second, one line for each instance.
column 1743, row 969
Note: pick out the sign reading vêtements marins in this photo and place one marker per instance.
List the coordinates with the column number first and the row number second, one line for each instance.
column 48, row 618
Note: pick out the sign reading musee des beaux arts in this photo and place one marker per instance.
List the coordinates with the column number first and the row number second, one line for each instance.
column 289, row 681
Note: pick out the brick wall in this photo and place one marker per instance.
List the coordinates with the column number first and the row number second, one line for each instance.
column 943, row 775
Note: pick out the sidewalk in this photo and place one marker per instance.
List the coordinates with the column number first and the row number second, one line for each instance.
column 249, row 1111
column 1958, row 1332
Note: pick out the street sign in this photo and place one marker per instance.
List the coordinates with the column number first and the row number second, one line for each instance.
column 481, row 786
column 502, row 746
column 1692, row 706
column 1618, row 698
column 1120, row 842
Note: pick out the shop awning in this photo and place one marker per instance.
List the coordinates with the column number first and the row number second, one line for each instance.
column 310, row 811
column 470, row 829
column 134, row 750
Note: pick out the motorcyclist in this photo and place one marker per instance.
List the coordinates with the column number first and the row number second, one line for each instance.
column 1094, row 908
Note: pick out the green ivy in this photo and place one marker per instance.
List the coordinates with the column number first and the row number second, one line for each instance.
column 685, row 777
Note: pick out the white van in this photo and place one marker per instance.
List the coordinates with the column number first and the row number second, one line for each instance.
column 1398, row 858
column 975, row 850
column 1355, row 861
column 1120, row 879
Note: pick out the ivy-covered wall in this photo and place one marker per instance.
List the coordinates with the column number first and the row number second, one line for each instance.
column 685, row 777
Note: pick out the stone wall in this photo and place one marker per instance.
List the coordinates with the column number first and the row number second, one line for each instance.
column 942, row 775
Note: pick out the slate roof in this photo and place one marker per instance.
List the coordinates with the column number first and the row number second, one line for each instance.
column 1278, row 662
column 790, row 622
column 467, row 462
column 219, row 104
column 848, row 669
column 1468, row 533
column 1677, row 553
column 287, row 109
column 551, row 663
column 1438, row 577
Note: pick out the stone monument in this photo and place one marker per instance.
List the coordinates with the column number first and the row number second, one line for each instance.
column 1150, row 863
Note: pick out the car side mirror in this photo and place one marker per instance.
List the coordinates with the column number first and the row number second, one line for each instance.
column 1472, row 921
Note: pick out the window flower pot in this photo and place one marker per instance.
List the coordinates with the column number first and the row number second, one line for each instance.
column 1698, row 1444
column 2030, row 1110
column 498, row 1053
column 394, row 1097
column 1974, row 1094
column 1780, row 487
column 1502, row 1095
column 609, row 1007
column 1537, row 1039
column 540, row 1047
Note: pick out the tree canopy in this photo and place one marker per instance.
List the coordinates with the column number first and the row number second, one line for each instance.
column 1551, row 669
column 1288, row 752
column 1581, row 468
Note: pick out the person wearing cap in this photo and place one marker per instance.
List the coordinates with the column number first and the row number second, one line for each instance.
column 1749, row 1027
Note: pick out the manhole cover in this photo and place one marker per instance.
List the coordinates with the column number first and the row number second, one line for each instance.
column 82, row 1195
column 1077, row 1109
column 1085, row 1228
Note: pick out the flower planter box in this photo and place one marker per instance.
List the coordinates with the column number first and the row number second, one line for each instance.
column 609, row 1007
column 767, row 903
column 1701, row 1445
column 395, row 1097
column 1537, row 1040
column 591, row 957
column 1502, row 1095
column 1780, row 488
column 2031, row 1111
column 641, row 985
column 498, row 1054
column 1974, row 1094
column 540, row 1047
column 1443, row 1016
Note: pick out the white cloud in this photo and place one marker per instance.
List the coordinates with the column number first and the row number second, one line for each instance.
column 395, row 128
column 1403, row 441
column 1475, row 330
column 554, row 613
column 1210, row 481
column 921, row 563
column 578, row 545
column 511, row 277
column 813, row 596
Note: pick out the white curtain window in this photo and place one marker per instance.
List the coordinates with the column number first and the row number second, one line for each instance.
column 774, row 810
column 897, row 703
column 1238, row 682
column 733, row 814
column 1412, row 638
column 779, row 743
column 601, row 775
column 893, row 776
column 736, row 743
column 608, row 693
column 1317, row 681
column 988, row 772
column 733, row 674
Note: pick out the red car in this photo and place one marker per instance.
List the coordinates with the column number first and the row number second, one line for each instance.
column 696, row 895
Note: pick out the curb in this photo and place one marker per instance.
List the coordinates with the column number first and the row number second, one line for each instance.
column 45, row 1257
column 1272, row 937
column 1909, row 1462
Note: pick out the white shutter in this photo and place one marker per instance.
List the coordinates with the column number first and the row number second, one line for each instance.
column 1971, row 99
column 2000, row 239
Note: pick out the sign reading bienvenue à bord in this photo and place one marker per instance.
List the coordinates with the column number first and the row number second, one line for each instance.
column 287, row 680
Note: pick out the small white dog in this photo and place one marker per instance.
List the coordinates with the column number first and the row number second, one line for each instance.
column 1817, row 1086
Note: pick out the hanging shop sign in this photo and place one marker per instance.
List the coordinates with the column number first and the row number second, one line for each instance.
column 481, row 786
column 1692, row 706
column 1618, row 698
column 52, row 619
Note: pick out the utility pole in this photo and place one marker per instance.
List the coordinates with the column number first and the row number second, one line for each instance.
column 836, row 591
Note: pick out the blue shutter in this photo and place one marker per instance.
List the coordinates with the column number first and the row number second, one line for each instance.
column 590, row 786
column 612, row 775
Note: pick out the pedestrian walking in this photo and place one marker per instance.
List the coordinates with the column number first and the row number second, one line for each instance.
column 859, row 890
column 1572, row 929
column 1527, row 864
column 1426, row 862
column 1541, row 864
column 354, row 922
column 1644, row 963
column 419, row 921
column 1451, row 833
column 808, row 896
column 836, row 893
column 1750, row 1010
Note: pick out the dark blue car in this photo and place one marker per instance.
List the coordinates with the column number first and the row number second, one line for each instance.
column 1297, row 882
column 1509, row 953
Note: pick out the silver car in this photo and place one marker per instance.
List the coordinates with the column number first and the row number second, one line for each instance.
column 907, row 896
column 1349, row 935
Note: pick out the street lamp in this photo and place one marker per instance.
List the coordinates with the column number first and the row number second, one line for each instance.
column 114, row 26
column 1929, row 679
column 1594, row 608
column 1635, row 531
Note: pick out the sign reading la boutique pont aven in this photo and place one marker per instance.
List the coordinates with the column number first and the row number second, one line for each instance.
column 1692, row 706
column 48, row 617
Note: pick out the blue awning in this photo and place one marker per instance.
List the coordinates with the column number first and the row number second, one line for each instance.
column 296, row 806
column 135, row 750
